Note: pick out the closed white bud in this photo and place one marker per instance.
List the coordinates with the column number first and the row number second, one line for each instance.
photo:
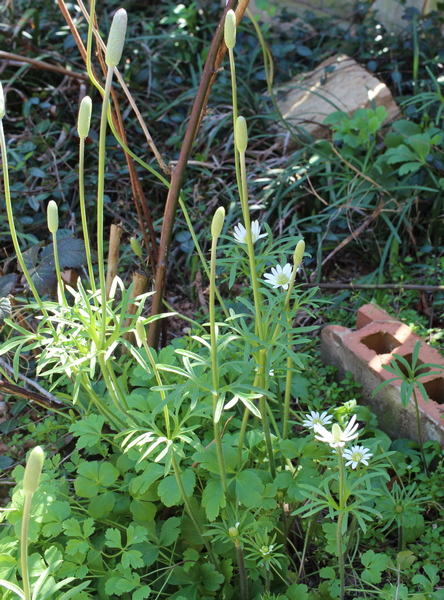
column 116, row 38
column 52, row 213
column 33, row 470
column 136, row 247
column 241, row 137
column 141, row 331
column 230, row 29
column 2, row 102
column 218, row 222
column 299, row 253
column 84, row 120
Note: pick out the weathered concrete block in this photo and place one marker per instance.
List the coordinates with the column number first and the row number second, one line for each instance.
column 364, row 352
column 306, row 100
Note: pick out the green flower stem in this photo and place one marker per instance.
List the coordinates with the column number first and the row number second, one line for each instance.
column 254, row 279
column 24, row 546
column 119, row 392
column 113, row 418
column 11, row 222
column 191, row 513
column 287, row 397
column 60, row 287
column 242, row 571
column 159, row 383
column 340, row 556
column 100, row 199
column 234, row 101
column 351, row 534
column 418, row 425
column 83, row 213
column 215, row 367
column 308, row 537
column 267, row 579
column 109, row 383
column 242, row 432
column 201, row 255
column 263, row 405
column 176, row 469
column 342, row 503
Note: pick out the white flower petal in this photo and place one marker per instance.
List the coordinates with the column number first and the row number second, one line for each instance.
column 279, row 276
column 337, row 438
column 240, row 233
column 314, row 417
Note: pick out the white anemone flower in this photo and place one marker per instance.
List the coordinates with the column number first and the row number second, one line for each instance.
column 240, row 233
column 279, row 276
column 356, row 455
column 337, row 438
column 315, row 418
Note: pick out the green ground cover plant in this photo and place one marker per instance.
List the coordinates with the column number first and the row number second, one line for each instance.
column 227, row 464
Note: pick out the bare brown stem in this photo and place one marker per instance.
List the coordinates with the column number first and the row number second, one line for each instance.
column 113, row 256
column 214, row 59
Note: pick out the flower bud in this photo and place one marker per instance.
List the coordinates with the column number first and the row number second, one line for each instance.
column 141, row 331
column 33, row 470
column 2, row 102
column 136, row 247
column 299, row 253
column 218, row 222
column 116, row 38
column 233, row 532
column 52, row 213
column 84, row 119
column 230, row 29
column 241, row 137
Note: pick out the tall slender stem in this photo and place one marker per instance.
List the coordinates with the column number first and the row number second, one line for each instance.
column 242, row 571
column 11, row 222
column 342, row 503
column 418, row 425
column 83, row 213
column 215, row 367
column 24, row 545
column 100, row 199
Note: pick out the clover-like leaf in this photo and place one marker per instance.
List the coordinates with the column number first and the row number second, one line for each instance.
column 93, row 476
column 169, row 491
column 374, row 564
column 88, row 430
column 213, row 498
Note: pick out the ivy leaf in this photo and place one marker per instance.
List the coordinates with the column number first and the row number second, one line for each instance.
column 213, row 498
column 169, row 491
column 93, row 476
column 374, row 564
column 71, row 252
column 88, row 430
column 170, row 531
